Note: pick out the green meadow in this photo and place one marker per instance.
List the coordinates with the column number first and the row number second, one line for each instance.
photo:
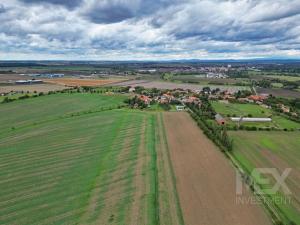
column 80, row 159
column 273, row 149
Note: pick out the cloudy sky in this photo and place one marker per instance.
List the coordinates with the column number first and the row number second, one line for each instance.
column 148, row 29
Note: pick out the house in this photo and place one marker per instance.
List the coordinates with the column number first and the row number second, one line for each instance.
column 191, row 99
column 145, row 99
column 284, row 108
column 166, row 98
column 220, row 120
column 257, row 98
column 131, row 89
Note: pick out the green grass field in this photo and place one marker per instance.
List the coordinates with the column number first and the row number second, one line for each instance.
column 241, row 109
column 75, row 159
column 35, row 110
column 236, row 109
column 287, row 78
column 273, row 150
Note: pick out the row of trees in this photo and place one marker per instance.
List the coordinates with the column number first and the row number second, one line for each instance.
column 26, row 96
column 218, row 134
column 91, row 90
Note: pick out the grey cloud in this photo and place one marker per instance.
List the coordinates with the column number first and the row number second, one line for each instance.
column 66, row 3
column 2, row 9
column 111, row 11
column 272, row 11
column 165, row 28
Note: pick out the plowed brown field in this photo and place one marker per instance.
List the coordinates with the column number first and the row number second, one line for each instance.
column 205, row 179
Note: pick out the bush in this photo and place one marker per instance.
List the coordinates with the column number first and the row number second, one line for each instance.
column 24, row 97
column 7, row 100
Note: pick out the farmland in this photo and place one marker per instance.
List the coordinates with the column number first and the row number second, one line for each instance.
column 287, row 78
column 273, row 150
column 201, row 79
column 279, row 92
column 241, row 109
column 31, row 88
column 205, row 179
column 71, row 82
column 78, row 159
column 173, row 85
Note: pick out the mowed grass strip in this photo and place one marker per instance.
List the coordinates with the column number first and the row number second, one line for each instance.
column 169, row 206
column 273, row 149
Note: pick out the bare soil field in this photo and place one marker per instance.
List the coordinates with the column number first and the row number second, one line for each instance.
column 31, row 88
column 172, row 85
column 279, row 92
column 81, row 82
column 4, row 78
column 205, row 179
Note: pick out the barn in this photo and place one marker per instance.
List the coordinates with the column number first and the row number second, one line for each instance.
column 220, row 120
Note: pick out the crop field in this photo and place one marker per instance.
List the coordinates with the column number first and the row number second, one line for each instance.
column 287, row 78
column 4, row 78
column 278, row 150
column 279, row 92
column 78, row 159
column 174, row 85
column 32, row 88
column 201, row 79
column 205, row 179
column 72, row 82
column 235, row 109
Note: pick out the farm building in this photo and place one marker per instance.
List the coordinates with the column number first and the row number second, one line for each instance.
column 29, row 81
column 54, row 75
column 220, row 120
column 250, row 119
column 179, row 107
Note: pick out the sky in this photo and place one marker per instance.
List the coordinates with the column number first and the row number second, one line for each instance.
column 148, row 29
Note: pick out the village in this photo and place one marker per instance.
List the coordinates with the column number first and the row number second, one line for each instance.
column 180, row 98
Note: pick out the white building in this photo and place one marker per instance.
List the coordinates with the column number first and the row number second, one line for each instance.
column 250, row 119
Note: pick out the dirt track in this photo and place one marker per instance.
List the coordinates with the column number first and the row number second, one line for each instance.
column 205, row 178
